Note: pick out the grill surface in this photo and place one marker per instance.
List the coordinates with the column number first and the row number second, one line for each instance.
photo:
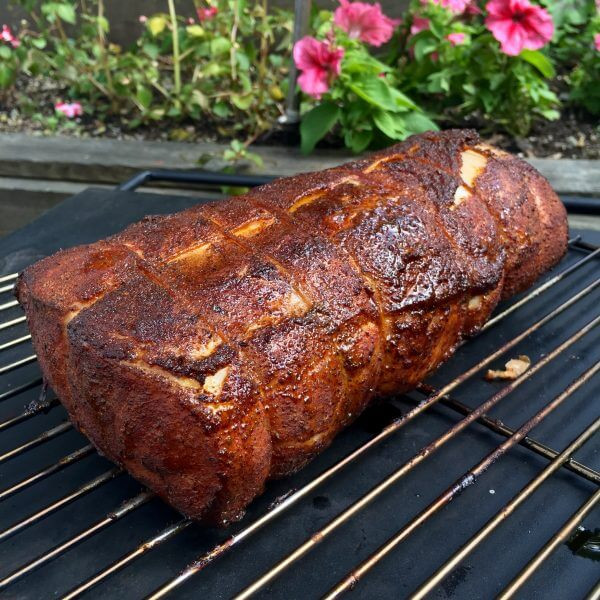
column 69, row 519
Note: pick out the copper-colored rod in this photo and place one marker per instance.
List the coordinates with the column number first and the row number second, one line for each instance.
column 8, row 305
column 36, row 441
column 376, row 491
column 80, row 491
column 8, row 277
column 561, row 536
column 207, row 558
column 28, row 413
column 528, row 442
column 42, row 474
column 12, row 322
column 540, row 289
column 22, row 388
column 157, row 540
column 559, row 461
column 15, row 342
column 123, row 510
column 19, row 363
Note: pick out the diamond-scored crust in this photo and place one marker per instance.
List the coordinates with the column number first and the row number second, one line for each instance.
column 209, row 350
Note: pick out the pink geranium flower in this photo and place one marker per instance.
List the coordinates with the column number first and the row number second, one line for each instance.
column 597, row 41
column 70, row 110
column 319, row 63
column 419, row 24
column 518, row 24
column 143, row 19
column 7, row 35
column 365, row 22
column 206, row 14
column 456, row 38
column 457, row 6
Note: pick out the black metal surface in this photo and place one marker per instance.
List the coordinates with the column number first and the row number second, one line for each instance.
column 97, row 213
column 199, row 177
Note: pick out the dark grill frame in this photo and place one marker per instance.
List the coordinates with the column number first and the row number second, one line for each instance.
column 424, row 398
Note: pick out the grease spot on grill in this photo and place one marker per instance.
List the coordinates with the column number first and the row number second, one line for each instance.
column 454, row 580
column 321, row 502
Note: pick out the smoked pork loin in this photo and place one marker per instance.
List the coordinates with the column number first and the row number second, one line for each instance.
column 210, row 350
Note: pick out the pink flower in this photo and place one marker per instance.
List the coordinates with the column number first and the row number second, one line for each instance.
column 319, row 62
column 7, row 35
column 365, row 22
column 419, row 24
column 456, row 38
column 457, row 6
column 190, row 21
column 206, row 14
column 518, row 24
column 142, row 18
column 70, row 110
column 597, row 41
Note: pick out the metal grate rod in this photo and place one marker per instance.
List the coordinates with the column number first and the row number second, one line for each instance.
column 204, row 560
column 111, row 518
column 8, row 305
column 15, row 342
column 29, row 412
column 9, row 277
column 43, row 473
column 12, row 322
column 21, row 388
column 530, row 443
column 459, row 486
column 80, row 491
column 375, row 492
column 540, row 289
column 7, row 288
column 36, row 441
column 594, row 593
column 154, row 542
column 19, row 363
column 561, row 536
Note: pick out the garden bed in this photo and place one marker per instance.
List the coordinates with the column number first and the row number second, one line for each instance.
column 575, row 135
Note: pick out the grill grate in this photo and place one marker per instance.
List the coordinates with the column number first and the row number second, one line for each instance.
column 556, row 321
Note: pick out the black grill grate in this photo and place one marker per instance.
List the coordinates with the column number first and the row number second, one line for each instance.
column 390, row 510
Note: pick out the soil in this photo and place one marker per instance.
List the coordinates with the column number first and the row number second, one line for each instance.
column 574, row 135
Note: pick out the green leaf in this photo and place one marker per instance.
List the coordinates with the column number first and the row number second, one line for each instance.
column 376, row 92
column 540, row 61
column 390, row 125
column 242, row 102
column 195, row 31
column 39, row 43
column 358, row 141
column 66, row 12
column 144, row 96
column 221, row 109
column 220, row 45
column 7, row 75
column 417, row 122
column 242, row 61
column 152, row 50
column 5, row 52
column 316, row 123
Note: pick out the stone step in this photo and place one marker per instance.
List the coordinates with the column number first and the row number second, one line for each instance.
column 113, row 161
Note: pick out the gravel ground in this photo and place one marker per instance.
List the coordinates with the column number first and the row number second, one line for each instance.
column 573, row 136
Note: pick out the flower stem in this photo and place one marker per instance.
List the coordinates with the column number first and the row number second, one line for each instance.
column 176, row 57
column 102, row 44
column 232, row 39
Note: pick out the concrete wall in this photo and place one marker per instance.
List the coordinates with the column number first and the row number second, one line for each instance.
column 123, row 14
